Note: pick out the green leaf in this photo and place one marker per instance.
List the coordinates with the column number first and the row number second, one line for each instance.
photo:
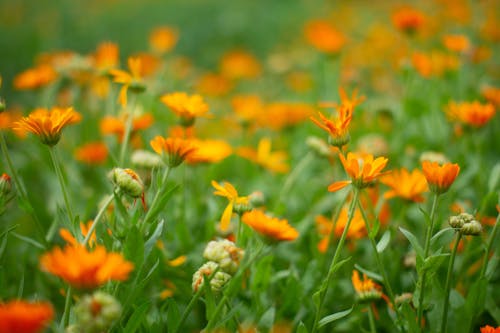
column 374, row 230
column 136, row 318
column 152, row 240
column 209, row 298
column 134, row 246
column 410, row 316
column 267, row 319
column 440, row 234
column 494, row 179
column 333, row 317
column 433, row 262
column 29, row 240
column 340, row 264
column 475, row 301
column 413, row 241
column 384, row 241
column 301, row 328
column 154, row 211
column 492, row 267
column 173, row 316
column 368, row 273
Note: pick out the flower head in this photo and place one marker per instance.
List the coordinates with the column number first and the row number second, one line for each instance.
column 20, row 316
column 456, row 43
column 84, row 269
column 225, row 253
column 490, row 329
column 473, row 114
column 132, row 80
column 440, row 177
column 92, row 153
column 209, row 151
column 97, row 312
column 84, row 229
column 239, row 64
column 366, row 289
column 363, row 170
column 406, row 185
column 270, row 227
column 106, row 57
column 36, row 77
column 163, row 39
column 274, row 161
column 408, row 19
column 235, row 202
column 210, row 269
column 324, row 225
column 185, row 106
column 47, row 124
column 176, row 149
column 324, row 37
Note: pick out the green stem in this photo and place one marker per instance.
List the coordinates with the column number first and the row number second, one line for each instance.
column 128, row 131
column 158, row 194
column 324, row 286
column 428, row 236
column 98, row 217
column 60, row 177
column 188, row 309
column 488, row 247
column 371, row 319
column 67, row 303
column 444, row 320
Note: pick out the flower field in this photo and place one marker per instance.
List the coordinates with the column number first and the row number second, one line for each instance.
column 284, row 166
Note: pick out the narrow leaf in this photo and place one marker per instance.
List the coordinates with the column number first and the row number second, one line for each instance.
column 384, row 241
column 333, row 317
column 413, row 241
column 136, row 318
column 302, row 328
column 152, row 240
column 173, row 316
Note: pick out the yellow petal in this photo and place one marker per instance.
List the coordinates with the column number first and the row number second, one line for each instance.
column 226, row 217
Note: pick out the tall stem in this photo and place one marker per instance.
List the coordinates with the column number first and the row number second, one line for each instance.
column 98, row 217
column 324, row 286
column 428, row 236
column 371, row 318
column 158, row 194
column 128, row 131
column 67, row 303
column 488, row 247
column 62, row 183
column 444, row 320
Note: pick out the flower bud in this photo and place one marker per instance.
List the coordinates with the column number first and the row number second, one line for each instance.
column 5, row 185
column 403, row 298
column 218, row 280
column 466, row 224
column 127, row 181
column 225, row 253
column 458, row 221
column 242, row 206
column 472, row 228
column 96, row 313
column 319, row 147
column 146, row 160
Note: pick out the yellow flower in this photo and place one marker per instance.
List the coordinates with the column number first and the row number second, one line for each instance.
column 185, row 106
column 209, row 151
column 406, row 185
column 440, row 177
column 227, row 190
column 132, row 79
column 47, row 125
column 239, row 64
column 363, row 170
column 270, row 227
column 177, row 149
column 274, row 161
column 84, row 269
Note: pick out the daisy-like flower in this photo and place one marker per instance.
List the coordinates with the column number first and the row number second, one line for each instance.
column 176, row 149
column 406, row 185
column 47, row 125
column 36, row 77
column 116, row 125
column 84, row 269
column 106, row 57
column 366, row 289
column 323, row 36
column 274, row 161
column 363, row 170
column 456, row 43
column 132, row 80
column 270, row 227
column 185, row 106
column 20, row 316
column 93, row 153
column 492, row 95
column 473, row 114
column 236, row 203
column 440, row 177
column 408, row 19
column 84, row 229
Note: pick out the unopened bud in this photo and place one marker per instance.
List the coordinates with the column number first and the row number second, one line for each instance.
column 5, row 185
column 146, row 160
column 472, row 228
column 127, row 181
column 96, row 313
column 225, row 253
column 466, row 224
column 219, row 279
column 403, row 298
column 339, row 141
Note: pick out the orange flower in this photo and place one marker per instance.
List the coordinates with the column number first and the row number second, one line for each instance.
column 323, row 36
column 84, row 228
column 408, row 19
column 492, row 95
column 274, row 161
column 209, row 151
column 214, row 85
column 112, row 125
column 281, row 115
column 227, row 190
column 239, row 64
column 106, row 57
column 366, row 289
column 270, row 227
column 185, row 106
column 177, row 149
column 37, row 77
column 163, row 39
column 93, row 153
column 48, row 124
column 324, row 225
column 19, row 316
column 403, row 184
column 363, row 170
column 247, row 107
column 490, row 329
column 474, row 113
column 132, row 79
column 83, row 269
column 440, row 177
column 456, row 43
column 434, row 63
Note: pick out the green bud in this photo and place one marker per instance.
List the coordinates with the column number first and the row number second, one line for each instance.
column 127, row 181
column 472, row 228
column 218, row 280
column 225, row 253
column 146, row 160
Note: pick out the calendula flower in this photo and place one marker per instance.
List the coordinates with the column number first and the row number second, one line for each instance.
column 86, row 269
column 163, row 39
column 209, row 151
column 84, row 229
column 116, row 125
column 36, row 77
column 366, row 289
column 48, row 125
column 214, row 84
column 323, row 36
column 225, row 253
column 270, row 227
column 19, row 316
column 247, row 107
column 440, row 177
column 282, row 115
column 274, row 161
column 434, row 64
column 185, row 106
column 93, row 153
column 408, row 19
column 239, row 64
column 96, row 313
column 325, row 225
column 176, row 149
column 363, row 170
column 490, row 329
column 492, row 95
column 473, row 114
column 132, row 80
column 106, row 57
column 456, row 43
column 406, row 185
column 218, row 281
column 239, row 204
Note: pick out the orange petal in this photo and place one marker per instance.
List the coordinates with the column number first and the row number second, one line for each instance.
column 338, row 185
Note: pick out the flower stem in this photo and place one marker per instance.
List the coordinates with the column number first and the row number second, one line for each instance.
column 62, row 183
column 324, row 286
column 98, row 217
column 67, row 302
column 488, row 247
column 371, row 319
column 158, row 194
column 128, row 131
column 444, row 320
column 428, row 236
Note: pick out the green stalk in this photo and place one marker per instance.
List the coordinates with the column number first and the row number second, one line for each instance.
column 324, row 286
column 158, row 194
column 371, row 319
column 60, row 177
column 67, row 303
column 444, row 320
column 98, row 217
column 128, row 131
column 488, row 247
column 428, row 236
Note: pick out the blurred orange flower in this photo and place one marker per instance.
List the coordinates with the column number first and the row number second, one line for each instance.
column 325, row 225
column 434, row 63
column 93, row 153
column 213, row 85
column 247, row 107
column 473, row 114
column 323, row 36
column 48, row 125
column 19, row 316
column 408, row 19
column 363, row 170
column 106, row 57
column 456, row 43
column 270, row 227
column 209, row 151
column 239, row 64
column 406, row 185
column 228, row 191
column 110, row 125
column 176, row 149
column 84, row 228
column 492, row 95
column 274, row 161
column 163, row 39
column 84, row 269
column 36, row 77
column 490, row 329
column 132, row 80
column 187, row 107
column 440, row 177
column 282, row 115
